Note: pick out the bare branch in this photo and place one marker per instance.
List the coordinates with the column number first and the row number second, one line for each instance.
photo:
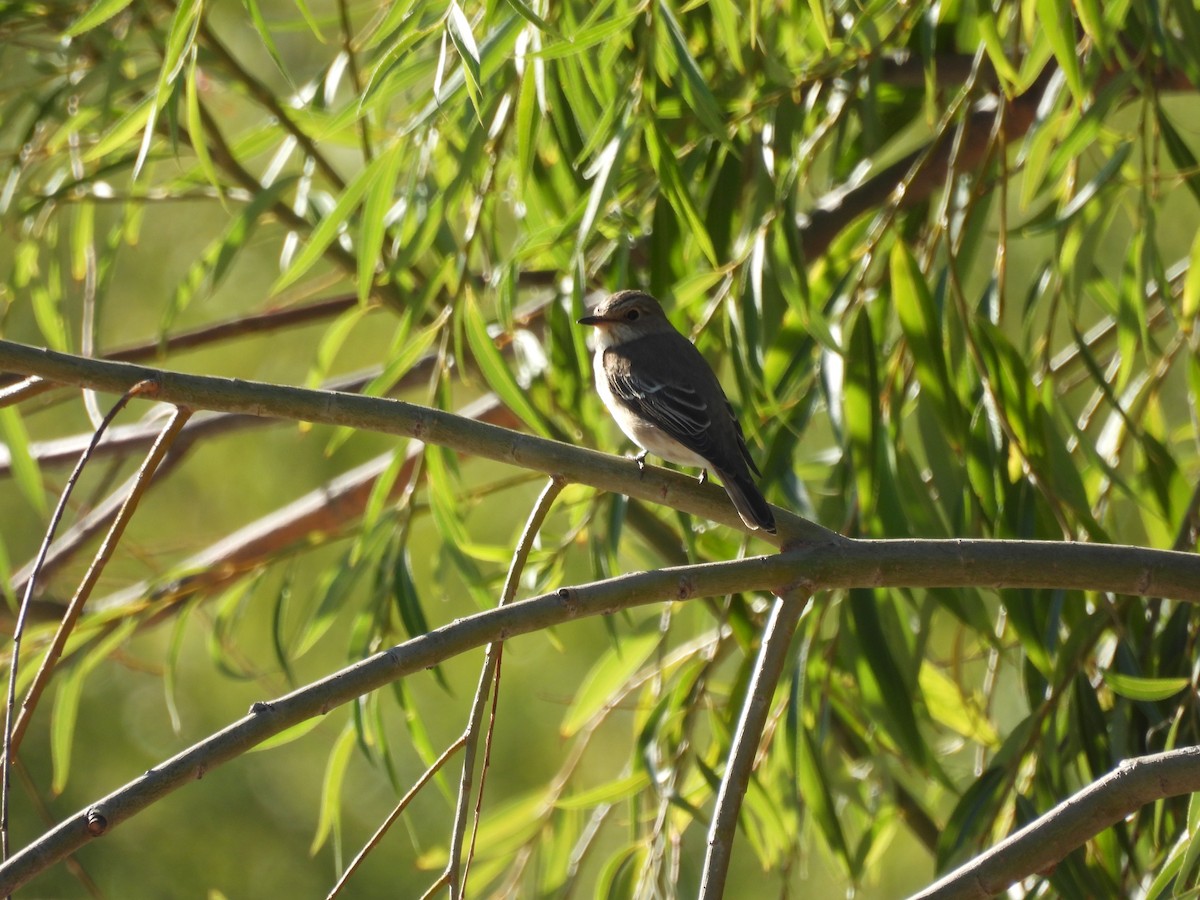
column 1046, row 841
column 772, row 658
column 19, row 627
column 412, row 792
column 395, row 417
column 141, row 482
column 489, row 673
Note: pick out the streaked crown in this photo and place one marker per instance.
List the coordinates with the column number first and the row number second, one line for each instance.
column 628, row 315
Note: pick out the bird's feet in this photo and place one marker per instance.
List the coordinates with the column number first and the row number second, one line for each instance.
column 703, row 476
column 640, row 459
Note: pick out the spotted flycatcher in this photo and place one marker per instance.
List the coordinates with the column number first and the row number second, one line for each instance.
column 667, row 400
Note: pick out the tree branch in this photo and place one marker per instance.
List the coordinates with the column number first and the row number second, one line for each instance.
column 409, row 420
column 772, row 658
column 1046, row 841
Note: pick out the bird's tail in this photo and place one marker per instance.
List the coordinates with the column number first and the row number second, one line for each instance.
column 748, row 500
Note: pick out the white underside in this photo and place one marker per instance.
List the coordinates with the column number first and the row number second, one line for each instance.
column 645, row 434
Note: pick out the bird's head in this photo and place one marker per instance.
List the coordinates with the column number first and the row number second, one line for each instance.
column 626, row 316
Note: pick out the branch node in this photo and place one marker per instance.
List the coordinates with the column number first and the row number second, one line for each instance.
column 570, row 599
column 97, row 824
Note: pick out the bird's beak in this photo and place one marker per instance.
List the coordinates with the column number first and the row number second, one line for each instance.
column 591, row 320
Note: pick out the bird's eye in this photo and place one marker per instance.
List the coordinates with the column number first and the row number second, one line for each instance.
column 632, row 315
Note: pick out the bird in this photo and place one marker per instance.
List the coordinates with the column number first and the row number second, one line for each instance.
column 666, row 399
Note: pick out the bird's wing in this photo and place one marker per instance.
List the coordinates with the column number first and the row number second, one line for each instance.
column 649, row 383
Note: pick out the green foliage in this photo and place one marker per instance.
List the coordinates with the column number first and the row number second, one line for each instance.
column 941, row 254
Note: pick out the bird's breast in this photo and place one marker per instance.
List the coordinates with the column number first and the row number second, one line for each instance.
column 641, row 431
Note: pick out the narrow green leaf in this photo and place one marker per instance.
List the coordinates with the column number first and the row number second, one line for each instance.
column 608, row 675
column 610, row 792
column 860, row 409
column 444, row 492
column 331, row 226
column 1180, row 153
column 117, row 137
column 882, row 679
column 410, row 351
column 264, row 35
column 495, row 370
column 333, row 589
column 694, row 87
column 1166, row 875
column 195, row 127
column 1191, row 855
column 529, row 120
column 25, row 469
column 525, row 11
column 590, row 34
column 994, row 44
column 1056, row 20
column 1135, row 687
column 1191, row 289
column 671, row 183
column 818, row 794
column 603, row 174
column 310, row 20
column 331, row 343
column 83, row 238
column 288, row 735
column 973, row 817
column 380, row 197
column 459, row 29
column 331, row 788
column 407, row 597
column 207, row 273
column 725, row 17
column 97, row 14
column 1095, row 184
column 63, row 716
column 817, row 8
column 171, row 668
column 923, row 329
column 181, row 37
column 65, row 712
column 948, row 705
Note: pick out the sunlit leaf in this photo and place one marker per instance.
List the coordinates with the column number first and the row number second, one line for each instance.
column 496, row 371
column 608, row 674
column 1136, row 687
column 331, row 789
column 25, row 469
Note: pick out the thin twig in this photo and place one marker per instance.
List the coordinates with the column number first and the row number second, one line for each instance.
column 141, row 483
column 772, row 658
column 370, row 845
column 436, row 886
column 490, row 672
column 19, row 628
